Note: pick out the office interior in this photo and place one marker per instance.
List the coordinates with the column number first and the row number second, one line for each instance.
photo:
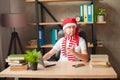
column 108, row 33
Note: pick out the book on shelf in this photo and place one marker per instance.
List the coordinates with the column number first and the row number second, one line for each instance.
column 32, row 42
column 99, row 57
column 19, row 68
column 85, row 13
column 81, row 13
column 90, row 12
column 54, row 35
column 41, row 37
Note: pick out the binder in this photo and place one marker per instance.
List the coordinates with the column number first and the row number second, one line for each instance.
column 81, row 13
column 90, row 14
column 53, row 36
column 85, row 13
column 41, row 37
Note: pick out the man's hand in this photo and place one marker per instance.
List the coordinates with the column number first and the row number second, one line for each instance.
column 82, row 56
column 72, row 50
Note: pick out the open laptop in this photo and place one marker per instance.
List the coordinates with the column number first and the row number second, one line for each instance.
column 46, row 63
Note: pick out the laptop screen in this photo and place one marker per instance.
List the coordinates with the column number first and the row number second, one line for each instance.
column 46, row 63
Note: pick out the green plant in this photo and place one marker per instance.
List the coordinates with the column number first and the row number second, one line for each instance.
column 101, row 12
column 33, row 56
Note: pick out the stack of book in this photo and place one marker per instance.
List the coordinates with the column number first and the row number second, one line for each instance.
column 98, row 61
column 17, row 62
column 32, row 42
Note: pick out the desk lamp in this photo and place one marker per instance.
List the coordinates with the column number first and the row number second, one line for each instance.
column 14, row 20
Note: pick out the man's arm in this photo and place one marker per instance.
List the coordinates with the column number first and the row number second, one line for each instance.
column 82, row 56
column 49, row 54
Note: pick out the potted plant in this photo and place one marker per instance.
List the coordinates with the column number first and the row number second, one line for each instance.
column 33, row 57
column 100, row 14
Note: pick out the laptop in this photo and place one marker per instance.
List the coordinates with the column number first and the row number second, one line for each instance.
column 46, row 63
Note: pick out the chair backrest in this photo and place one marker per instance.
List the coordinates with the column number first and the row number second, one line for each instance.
column 60, row 34
column 82, row 34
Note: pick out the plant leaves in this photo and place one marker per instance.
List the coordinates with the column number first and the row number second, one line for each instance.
column 33, row 56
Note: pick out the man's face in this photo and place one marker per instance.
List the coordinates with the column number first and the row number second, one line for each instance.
column 70, row 30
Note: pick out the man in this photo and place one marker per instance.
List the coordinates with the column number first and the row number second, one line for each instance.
column 71, row 46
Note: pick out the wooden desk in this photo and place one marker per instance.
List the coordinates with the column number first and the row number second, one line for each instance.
column 63, row 70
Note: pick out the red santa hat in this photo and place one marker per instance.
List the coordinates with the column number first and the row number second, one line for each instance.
column 71, row 22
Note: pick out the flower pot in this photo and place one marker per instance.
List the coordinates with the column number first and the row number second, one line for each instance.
column 100, row 18
column 33, row 66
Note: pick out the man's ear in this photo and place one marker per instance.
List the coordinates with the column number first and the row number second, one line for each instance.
column 64, row 31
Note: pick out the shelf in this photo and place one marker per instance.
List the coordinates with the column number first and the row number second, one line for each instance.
column 44, row 46
column 50, row 46
column 55, row 0
column 38, row 2
column 59, row 23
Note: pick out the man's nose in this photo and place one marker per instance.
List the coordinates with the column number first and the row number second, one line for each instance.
column 71, row 29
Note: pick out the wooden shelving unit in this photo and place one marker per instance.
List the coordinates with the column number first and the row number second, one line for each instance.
column 51, row 45
column 43, row 23
column 59, row 23
column 44, row 46
column 55, row 0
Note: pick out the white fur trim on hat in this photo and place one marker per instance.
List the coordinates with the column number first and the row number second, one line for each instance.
column 69, row 24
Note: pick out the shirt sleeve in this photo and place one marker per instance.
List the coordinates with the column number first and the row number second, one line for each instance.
column 57, row 44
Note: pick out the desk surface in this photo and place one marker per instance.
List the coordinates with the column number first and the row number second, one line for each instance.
column 63, row 70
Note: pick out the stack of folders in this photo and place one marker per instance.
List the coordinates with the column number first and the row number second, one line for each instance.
column 86, row 13
column 17, row 62
column 99, row 61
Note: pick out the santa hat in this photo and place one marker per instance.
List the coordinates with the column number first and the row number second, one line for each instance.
column 71, row 22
